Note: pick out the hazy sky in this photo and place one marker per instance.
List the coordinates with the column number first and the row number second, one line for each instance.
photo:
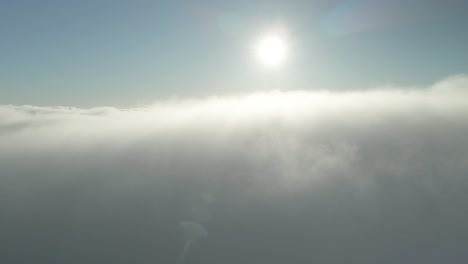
column 124, row 53
column 120, row 119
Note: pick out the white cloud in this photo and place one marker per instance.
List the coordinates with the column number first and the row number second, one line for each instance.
column 378, row 162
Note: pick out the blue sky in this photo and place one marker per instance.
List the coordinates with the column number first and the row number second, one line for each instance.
column 124, row 53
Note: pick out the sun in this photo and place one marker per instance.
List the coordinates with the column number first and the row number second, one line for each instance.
column 271, row 50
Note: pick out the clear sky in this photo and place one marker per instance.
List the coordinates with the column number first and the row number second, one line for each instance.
column 129, row 52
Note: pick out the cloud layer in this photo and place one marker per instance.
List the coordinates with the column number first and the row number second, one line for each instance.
column 377, row 176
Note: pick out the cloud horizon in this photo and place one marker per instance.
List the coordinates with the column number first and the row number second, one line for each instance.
column 374, row 175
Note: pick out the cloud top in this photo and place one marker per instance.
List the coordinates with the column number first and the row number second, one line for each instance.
column 384, row 162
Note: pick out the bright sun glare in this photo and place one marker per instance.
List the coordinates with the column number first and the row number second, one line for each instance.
column 271, row 50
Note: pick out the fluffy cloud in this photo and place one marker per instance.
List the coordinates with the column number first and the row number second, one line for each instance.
column 375, row 176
